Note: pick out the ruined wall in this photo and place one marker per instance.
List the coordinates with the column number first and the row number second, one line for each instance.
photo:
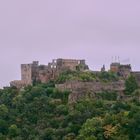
column 69, row 64
column 29, row 74
column 18, row 84
column 34, row 72
column 45, row 76
column 82, row 89
column 122, row 70
column 125, row 71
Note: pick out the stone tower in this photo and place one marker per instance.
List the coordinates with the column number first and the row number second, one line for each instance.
column 29, row 72
column 114, row 67
column 120, row 69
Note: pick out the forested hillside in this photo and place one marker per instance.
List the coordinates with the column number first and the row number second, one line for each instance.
column 42, row 112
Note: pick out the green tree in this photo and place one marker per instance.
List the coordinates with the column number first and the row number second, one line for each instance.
column 13, row 131
column 136, row 94
column 92, row 129
column 130, row 85
column 3, row 126
column 2, row 137
column 3, row 111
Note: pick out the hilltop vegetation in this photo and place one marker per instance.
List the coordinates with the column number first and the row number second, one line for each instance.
column 42, row 112
column 87, row 76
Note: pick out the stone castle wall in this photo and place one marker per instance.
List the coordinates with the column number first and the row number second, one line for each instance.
column 71, row 64
column 82, row 89
column 93, row 86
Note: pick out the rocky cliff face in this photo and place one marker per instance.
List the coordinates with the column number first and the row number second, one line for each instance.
column 83, row 89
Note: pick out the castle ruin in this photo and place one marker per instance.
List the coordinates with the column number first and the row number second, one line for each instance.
column 121, row 70
column 31, row 73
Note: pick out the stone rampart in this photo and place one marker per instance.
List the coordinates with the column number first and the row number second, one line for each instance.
column 82, row 89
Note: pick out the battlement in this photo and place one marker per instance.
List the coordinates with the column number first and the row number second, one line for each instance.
column 18, row 84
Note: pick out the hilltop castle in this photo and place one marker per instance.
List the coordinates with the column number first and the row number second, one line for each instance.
column 32, row 73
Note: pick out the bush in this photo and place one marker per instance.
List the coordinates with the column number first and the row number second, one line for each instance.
column 130, row 85
column 111, row 96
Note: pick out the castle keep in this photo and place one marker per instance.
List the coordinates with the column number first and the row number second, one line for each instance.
column 34, row 72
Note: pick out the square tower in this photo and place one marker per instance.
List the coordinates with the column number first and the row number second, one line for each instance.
column 29, row 72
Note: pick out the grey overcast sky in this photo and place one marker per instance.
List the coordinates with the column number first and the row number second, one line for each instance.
column 42, row 30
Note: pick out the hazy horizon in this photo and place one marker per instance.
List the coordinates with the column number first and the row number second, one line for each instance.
column 93, row 30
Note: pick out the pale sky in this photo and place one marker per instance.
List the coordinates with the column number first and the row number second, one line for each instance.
column 94, row 30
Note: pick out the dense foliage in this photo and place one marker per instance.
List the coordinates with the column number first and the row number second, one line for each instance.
column 41, row 112
column 87, row 76
column 131, row 85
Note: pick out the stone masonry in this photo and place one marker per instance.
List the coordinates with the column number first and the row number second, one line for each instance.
column 122, row 70
column 34, row 72
column 81, row 90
